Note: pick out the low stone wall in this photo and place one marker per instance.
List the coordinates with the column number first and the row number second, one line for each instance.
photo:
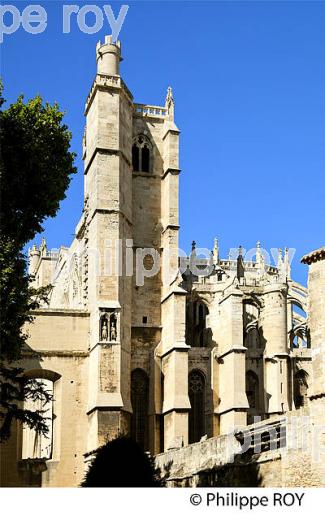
column 253, row 458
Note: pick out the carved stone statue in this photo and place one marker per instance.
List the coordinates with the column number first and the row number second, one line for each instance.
column 104, row 331
column 113, row 331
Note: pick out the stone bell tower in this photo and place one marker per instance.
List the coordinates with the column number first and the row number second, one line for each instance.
column 138, row 361
column 108, row 222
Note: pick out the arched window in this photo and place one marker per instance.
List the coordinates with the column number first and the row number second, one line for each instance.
column 145, row 159
column 203, row 312
column 196, row 324
column 250, row 319
column 36, row 445
column 142, row 154
column 135, row 158
column 252, row 392
column 140, row 403
column 300, row 388
column 196, row 384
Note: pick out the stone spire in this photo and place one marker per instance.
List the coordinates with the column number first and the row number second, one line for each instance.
column 287, row 266
column 240, row 264
column 43, row 248
column 260, row 263
column 258, row 252
column 216, row 257
column 169, row 103
column 280, row 265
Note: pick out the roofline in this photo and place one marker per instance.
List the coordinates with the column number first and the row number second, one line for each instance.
column 314, row 256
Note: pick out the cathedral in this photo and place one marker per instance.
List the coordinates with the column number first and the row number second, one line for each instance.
column 135, row 339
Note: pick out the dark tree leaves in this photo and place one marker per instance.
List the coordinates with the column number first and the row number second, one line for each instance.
column 36, row 166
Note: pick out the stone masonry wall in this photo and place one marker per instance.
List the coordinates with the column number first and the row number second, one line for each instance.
column 220, row 462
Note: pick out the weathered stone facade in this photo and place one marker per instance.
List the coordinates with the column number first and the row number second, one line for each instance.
column 171, row 358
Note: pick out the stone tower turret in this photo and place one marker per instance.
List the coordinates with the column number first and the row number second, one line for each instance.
column 33, row 256
column 108, row 57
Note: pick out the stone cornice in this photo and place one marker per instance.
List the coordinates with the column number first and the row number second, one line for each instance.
column 178, row 347
column 107, row 401
column 146, row 175
column 147, row 327
column 172, row 171
column 56, row 353
column 61, row 312
column 184, row 409
column 314, row 256
column 105, row 151
column 221, row 411
column 107, row 82
column 177, row 290
column 317, row 396
column 174, row 227
column 108, row 212
column 235, row 349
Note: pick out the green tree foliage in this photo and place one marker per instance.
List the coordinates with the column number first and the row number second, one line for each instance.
column 36, row 166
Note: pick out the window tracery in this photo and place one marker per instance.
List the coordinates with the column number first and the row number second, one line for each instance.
column 142, row 154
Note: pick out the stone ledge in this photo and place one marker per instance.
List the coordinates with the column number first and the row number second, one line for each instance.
column 61, row 312
column 235, row 349
column 56, row 353
column 314, row 256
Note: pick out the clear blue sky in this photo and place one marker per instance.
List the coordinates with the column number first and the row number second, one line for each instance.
column 249, row 87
